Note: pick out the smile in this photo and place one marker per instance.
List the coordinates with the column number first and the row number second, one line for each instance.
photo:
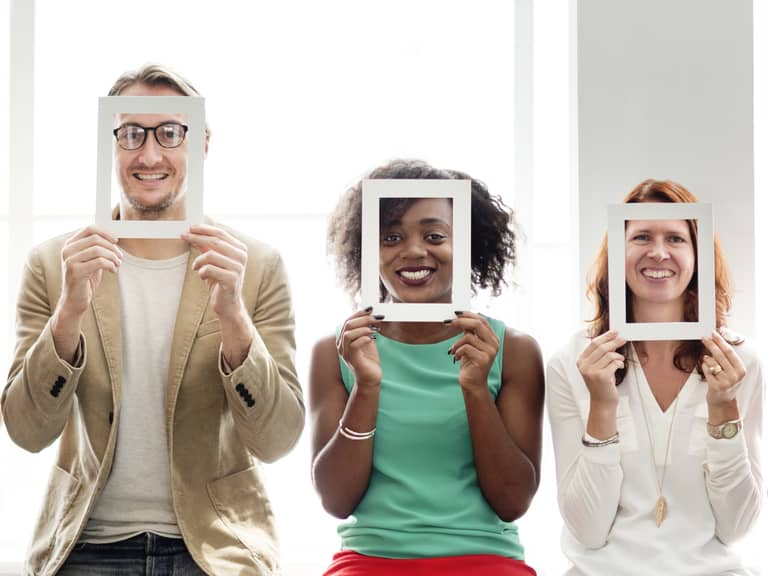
column 415, row 276
column 657, row 274
column 150, row 176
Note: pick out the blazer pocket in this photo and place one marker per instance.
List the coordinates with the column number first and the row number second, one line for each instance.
column 241, row 503
column 61, row 492
column 625, row 425
column 209, row 327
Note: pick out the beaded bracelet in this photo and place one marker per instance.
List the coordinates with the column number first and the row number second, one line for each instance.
column 353, row 435
column 597, row 444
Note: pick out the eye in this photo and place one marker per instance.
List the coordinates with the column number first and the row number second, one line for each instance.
column 389, row 239
column 436, row 237
column 675, row 239
column 641, row 237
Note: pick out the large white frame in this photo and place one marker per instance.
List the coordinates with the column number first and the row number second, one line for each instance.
column 460, row 193
column 618, row 215
column 194, row 108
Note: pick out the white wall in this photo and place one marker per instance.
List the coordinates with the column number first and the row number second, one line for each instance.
column 665, row 91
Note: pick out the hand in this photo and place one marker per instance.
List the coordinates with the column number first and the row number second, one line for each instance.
column 476, row 350
column 84, row 256
column 355, row 344
column 222, row 265
column 598, row 364
column 723, row 370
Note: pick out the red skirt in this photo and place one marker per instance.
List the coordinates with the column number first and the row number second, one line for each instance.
column 349, row 563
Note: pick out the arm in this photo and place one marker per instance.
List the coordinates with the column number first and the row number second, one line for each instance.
column 733, row 466
column 506, row 434
column 50, row 351
column 341, row 467
column 258, row 346
column 588, row 478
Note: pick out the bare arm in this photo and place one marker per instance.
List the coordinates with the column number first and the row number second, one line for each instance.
column 341, row 467
column 506, row 435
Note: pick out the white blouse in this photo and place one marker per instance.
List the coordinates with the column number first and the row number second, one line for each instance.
column 607, row 495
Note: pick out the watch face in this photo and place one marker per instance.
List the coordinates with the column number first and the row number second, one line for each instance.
column 730, row 430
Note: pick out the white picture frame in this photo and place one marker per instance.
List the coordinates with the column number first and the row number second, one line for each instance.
column 618, row 215
column 194, row 108
column 460, row 192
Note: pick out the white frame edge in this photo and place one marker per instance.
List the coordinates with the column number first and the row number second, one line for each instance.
column 618, row 214
column 194, row 108
column 460, row 191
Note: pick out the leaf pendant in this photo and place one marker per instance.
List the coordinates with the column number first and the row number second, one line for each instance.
column 660, row 512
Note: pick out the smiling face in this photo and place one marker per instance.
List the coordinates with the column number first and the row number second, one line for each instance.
column 416, row 253
column 153, row 179
column 660, row 263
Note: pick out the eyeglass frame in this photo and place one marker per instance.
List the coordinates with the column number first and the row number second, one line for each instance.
column 152, row 129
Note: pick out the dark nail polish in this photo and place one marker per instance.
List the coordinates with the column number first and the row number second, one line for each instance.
column 373, row 336
column 374, row 328
column 450, row 351
column 454, row 359
column 458, row 312
column 448, row 321
column 369, row 309
column 379, row 316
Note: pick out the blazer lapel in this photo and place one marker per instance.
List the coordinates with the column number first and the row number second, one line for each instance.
column 106, row 309
column 194, row 300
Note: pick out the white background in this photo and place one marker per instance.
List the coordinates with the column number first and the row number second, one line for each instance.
column 302, row 98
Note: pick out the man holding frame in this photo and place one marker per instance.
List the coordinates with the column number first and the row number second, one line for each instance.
column 160, row 350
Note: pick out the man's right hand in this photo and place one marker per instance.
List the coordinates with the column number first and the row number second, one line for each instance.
column 84, row 256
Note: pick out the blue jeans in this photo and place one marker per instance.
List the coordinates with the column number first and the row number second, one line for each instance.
column 143, row 555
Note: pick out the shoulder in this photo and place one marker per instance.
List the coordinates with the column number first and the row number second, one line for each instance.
column 257, row 250
column 570, row 351
column 325, row 347
column 47, row 255
column 520, row 344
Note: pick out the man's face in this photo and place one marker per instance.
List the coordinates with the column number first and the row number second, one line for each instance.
column 153, row 178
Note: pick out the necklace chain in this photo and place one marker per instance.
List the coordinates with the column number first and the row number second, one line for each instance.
column 662, row 507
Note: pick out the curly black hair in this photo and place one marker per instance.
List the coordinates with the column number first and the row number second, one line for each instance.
column 493, row 235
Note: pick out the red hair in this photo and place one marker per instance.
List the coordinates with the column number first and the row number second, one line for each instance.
column 690, row 352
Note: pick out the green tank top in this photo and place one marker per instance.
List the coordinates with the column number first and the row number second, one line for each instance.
column 424, row 499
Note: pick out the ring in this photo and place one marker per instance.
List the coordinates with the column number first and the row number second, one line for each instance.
column 715, row 370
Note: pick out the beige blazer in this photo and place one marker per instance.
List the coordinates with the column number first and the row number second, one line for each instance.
column 218, row 431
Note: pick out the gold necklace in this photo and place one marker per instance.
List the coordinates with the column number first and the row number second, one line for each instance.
column 661, row 508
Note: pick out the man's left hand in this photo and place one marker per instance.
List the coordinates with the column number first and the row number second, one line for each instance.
column 221, row 264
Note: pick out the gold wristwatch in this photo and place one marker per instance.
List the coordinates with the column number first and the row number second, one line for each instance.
column 726, row 430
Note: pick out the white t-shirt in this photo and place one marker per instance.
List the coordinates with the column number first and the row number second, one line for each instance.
column 607, row 495
column 137, row 495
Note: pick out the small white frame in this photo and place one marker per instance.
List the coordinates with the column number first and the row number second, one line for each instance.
column 618, row 215
column 460, row 192
column 194, row 108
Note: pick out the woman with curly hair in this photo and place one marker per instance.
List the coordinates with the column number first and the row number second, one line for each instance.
column 657, row 443
column 426, row 437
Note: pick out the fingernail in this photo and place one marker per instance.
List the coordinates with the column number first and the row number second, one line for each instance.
column 378, row 316
column 374, row 328
column 448, row 321
column 369, row 309
column 373, row 336
column 458, row 312
column 454, row 359
column 450, row 351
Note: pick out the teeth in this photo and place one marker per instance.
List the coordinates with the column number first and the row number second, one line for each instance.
column 657, row 274
column 418, row 275
column 150, row 176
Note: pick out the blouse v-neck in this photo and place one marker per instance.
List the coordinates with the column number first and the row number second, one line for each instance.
column 647, row 394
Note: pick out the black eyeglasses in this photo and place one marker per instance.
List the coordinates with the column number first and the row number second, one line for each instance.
column 168, row 135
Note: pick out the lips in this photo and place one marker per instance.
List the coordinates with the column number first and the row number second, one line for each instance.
column 150, row 176
column 415, row 276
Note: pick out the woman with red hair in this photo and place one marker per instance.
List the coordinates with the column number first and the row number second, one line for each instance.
column 657, row 443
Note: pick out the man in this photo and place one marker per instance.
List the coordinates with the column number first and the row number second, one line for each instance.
column 166, row 367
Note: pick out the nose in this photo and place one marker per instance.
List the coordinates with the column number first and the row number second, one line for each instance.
column 151, row 152
column 413, row 248
column 658, row 250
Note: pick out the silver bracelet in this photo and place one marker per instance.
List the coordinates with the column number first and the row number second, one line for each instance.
column 597, row 444
column 353, row 435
